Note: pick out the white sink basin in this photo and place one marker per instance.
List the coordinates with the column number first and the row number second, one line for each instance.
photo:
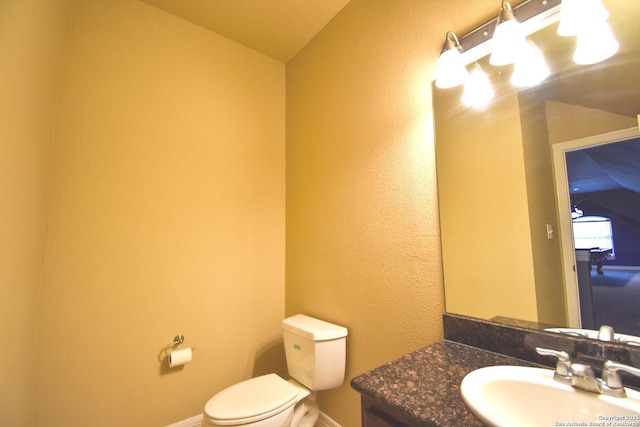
column 523, row 396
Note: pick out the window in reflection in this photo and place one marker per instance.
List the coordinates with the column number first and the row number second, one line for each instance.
column 593, row 232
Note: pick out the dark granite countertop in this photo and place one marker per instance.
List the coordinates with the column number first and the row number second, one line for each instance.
column 423, row 387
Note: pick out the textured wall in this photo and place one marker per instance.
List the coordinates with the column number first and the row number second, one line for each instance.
column 166, row 216
column 32, row 35
column 480, row 160
column 363, row 245
column 166, row 202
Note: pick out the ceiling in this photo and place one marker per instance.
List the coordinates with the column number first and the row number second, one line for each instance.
column 605, row 167
column 277, row 28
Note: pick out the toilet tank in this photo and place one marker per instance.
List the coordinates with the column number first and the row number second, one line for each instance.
column 316, row 351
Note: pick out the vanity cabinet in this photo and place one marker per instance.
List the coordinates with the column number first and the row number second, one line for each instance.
column 374, row 415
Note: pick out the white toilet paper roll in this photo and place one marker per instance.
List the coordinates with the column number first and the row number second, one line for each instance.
column 179, row 357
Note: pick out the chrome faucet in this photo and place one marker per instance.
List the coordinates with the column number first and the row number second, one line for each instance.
column 563, row 366
column 611, row 378
column 581, row 376
column 606, row 333
column 630, row 341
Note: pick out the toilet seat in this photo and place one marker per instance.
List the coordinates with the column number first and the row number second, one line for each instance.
column 251, row 400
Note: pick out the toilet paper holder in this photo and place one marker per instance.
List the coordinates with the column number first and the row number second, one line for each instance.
column 177, row 340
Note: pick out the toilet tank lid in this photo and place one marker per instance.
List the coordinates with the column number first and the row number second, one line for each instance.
column 315, row 329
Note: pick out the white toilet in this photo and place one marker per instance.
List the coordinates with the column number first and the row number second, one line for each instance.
column 316, row 354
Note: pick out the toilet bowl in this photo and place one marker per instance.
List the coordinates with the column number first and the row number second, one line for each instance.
column 263, row 401
column 316, row 354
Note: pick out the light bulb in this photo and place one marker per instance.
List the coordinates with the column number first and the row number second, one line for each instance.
column 508, row 38
column 477, row 89
column 575, row 15
column 595, row 44
column 451, row 70
column 530, row 68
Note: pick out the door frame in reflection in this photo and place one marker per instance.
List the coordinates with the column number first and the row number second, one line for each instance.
column 563, row 199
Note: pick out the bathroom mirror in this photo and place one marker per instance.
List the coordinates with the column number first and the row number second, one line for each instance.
column 500, row 221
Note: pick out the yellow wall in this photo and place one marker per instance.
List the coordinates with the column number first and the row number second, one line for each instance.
column 166, row 216
column 32, row 35
column 480, row 160
column 568, row 122
column 541, row 202
column 363, row 244
column 166, row 203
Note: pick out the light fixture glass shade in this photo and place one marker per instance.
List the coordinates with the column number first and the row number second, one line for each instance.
column 508, row 38
column 451, row 70
column 569, row 18
column 575, row 15
column 595, row 44
column 530, row 68
column 477, row 89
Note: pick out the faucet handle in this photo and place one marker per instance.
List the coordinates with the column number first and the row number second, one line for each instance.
column 563, row 366
column 613, row 381
column 606, row 333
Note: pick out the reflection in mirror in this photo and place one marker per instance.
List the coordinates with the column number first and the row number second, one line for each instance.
column 502, row 233
column 598, row 335
column 603, row 177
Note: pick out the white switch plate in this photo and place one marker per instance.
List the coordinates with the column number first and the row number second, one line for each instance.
column 549, row 231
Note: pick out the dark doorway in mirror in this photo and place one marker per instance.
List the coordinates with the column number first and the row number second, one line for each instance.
column 616, row 296
column 604, row 187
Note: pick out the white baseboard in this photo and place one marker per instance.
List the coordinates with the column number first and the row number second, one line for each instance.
column 196, row 421
column 325, row 421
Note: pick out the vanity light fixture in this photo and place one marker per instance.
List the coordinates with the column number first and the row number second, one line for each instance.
column 477, row 89
column 509, row 42
column 451, row 69
column 587, row 19
column 578, row 15
column 595, row 44
column 530, row 68
column 505, row 40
